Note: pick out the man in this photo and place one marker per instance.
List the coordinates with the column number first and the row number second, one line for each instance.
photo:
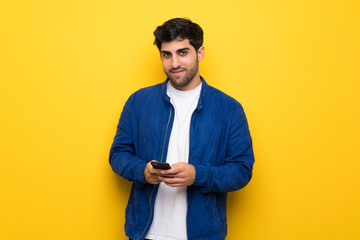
column 199, row 130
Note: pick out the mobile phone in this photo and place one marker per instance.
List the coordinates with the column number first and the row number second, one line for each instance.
column 160, row 165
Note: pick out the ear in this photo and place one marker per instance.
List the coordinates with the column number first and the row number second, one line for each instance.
column 200, row 53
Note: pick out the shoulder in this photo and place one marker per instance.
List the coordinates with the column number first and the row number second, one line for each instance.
column 215, row 95
column 154, row 89
column 147, row 93
column 226, row 106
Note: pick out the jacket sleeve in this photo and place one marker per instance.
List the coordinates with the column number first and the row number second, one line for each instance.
column 123, row 159
column 236, row 171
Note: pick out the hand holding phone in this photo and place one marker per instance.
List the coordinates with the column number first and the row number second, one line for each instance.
column 161, row 165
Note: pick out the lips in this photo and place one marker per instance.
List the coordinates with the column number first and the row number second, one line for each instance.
column 177, row 72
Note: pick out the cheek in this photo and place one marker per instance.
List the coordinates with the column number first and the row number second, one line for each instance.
column 166, row 64
column 189, row 62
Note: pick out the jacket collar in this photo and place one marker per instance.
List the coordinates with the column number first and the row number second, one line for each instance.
column 204, row 89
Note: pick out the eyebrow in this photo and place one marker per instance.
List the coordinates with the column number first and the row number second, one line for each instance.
column 165, row 52
column 183, row 49
column 178, row 50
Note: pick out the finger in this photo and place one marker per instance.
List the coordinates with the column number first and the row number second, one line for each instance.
column 175, row 175
column 168, row 175
column 171, row 180
column 179, row 165
column 154, row 171
column 171, row 171
column 155, row 180
column 175, row 184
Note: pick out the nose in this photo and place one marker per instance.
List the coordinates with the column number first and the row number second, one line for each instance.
column 175, row 63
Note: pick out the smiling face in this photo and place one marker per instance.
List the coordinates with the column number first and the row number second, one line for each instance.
column 181, row 63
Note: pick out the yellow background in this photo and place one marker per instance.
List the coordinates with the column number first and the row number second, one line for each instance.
column 67, row 68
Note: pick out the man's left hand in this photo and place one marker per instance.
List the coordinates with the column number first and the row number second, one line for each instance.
column 181, row 174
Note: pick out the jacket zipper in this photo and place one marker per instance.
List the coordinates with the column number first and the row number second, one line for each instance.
column 167, row 126
column 162, row 155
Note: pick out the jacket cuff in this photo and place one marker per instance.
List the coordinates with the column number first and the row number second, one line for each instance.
column 202, row 174
column 140, row 179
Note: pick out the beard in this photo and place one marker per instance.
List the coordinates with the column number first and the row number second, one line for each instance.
column 186, row 79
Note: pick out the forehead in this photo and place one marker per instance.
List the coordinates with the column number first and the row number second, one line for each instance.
column 175, row 45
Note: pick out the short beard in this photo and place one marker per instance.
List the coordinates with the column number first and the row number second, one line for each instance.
column 187, row 78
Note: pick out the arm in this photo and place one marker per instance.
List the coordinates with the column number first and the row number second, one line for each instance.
column 236, row 171
column 122, row 153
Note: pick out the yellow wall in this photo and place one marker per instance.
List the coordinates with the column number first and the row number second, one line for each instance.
column 67, row 68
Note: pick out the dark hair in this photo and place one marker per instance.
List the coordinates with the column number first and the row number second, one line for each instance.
column 179, row 28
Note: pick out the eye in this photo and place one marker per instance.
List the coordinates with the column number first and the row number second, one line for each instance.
column 166, row 54
column 183, row 53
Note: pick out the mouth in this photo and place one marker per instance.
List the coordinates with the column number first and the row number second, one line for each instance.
column 177, row 72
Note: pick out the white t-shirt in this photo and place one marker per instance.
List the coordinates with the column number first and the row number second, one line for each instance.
column 171, row 202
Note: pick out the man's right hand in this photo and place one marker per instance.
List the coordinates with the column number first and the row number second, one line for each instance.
column 152, row 174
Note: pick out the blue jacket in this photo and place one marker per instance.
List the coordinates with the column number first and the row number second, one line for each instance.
column 220, row 150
